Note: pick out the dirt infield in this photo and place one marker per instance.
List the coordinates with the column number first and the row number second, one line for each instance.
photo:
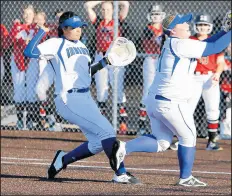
column 25, row 156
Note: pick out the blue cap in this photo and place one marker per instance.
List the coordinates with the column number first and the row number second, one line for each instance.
column 73, row 22
column 172, row 20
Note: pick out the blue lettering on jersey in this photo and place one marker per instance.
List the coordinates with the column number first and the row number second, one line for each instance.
column 76, row 50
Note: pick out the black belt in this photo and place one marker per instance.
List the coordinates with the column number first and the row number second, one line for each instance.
column 159, row 97
column 77, row 90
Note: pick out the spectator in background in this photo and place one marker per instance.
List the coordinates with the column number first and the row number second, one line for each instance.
column 104, row 36
column 150, row 42
column 46, row 112
column 4, row 37
column 24, row 71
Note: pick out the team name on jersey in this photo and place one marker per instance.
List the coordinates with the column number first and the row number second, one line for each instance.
column 76, row 50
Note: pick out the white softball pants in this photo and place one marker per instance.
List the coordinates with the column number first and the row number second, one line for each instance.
column 106, row 76
column 81, row 110
column 210, row 95
column 149, row 70
column 24, row 82
column 171, row 118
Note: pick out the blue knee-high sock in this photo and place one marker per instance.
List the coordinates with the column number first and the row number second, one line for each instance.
column 186, row 156
column 107, row 145
column 78, row 153
column 146, row 143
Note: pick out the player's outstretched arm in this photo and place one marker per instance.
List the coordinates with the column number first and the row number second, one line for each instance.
column 89, row 5
column 124, row 9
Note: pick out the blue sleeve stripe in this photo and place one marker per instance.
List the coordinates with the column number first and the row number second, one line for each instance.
column 59, row 53
column 160, row 59
column 176, row 57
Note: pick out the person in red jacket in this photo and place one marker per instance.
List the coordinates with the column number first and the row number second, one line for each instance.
column 4, row 37
column 24, row 71
column 207, row 75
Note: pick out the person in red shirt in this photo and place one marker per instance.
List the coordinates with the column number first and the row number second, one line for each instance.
column 104, row 36
column 4, row 37
column 206, row 78
column 25, row 71
column 151, row 43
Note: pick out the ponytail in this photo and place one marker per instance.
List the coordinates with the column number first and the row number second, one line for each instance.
column 162, row 41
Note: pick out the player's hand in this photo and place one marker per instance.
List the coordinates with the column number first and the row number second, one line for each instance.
column 226, row 24
column 16, row 21
column 215, row 79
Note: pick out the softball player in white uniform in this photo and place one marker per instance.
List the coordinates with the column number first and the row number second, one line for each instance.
column 166, row 104
column 70, row 65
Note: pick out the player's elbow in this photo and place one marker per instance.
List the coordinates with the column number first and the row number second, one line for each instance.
column 27, row 53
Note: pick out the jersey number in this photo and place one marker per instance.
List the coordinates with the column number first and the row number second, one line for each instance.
column 204, row 60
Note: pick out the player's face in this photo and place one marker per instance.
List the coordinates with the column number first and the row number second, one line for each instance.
column 203, row 29
column 28, row 15
column 157, row 17
column 72, row 34
column 182, row 31
column 107, row 10
column 39, row 20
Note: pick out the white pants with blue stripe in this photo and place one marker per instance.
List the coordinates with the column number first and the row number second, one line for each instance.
column 171, row 118
column 80, row 109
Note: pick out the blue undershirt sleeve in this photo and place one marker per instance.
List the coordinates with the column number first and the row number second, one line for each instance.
column 31, row 49
column 215, row 36
column 217, row 46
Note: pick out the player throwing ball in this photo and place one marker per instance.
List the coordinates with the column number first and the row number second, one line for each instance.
column 70, row 64
column 166, row 104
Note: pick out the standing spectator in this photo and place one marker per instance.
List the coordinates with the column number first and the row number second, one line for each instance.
column 104, row 36
column 46, row 112
column 24, row 71
column 150, row 41
column 207, row 75
column 4, row 37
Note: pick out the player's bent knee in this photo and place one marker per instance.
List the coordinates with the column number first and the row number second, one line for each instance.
column 95, row 148
column 188, row 141
column 163, row 145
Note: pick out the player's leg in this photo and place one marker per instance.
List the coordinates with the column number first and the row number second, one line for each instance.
column 149, row 68
column 121, row 97
column 196, row 94
column 102, row 85
column 184, row 128
column 211, row 97
column 32, row 75
column 100, row 136
column 2, row 69
column 18, row 78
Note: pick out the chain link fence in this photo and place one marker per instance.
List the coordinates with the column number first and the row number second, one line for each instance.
column 130, row 80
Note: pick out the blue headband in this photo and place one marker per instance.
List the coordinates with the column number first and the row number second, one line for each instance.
column 73, row 22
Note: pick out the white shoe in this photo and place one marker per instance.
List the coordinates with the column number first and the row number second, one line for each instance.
column 57, row 165
column 125, row 178
column 191, row 181
column 118, row 154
